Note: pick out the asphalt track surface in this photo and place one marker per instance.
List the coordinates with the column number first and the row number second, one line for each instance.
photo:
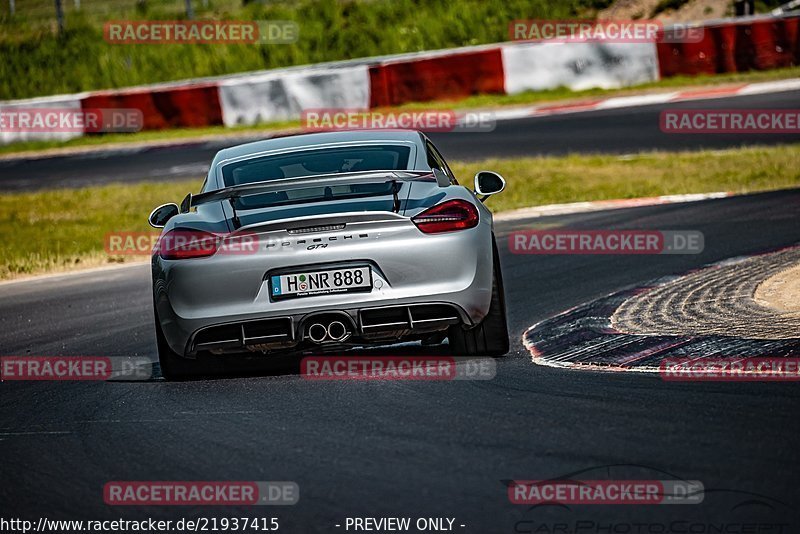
column 409, row 449
column 621, row 131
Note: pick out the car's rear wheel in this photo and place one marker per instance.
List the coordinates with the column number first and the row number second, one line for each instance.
column 490, row 337
column 173, row 365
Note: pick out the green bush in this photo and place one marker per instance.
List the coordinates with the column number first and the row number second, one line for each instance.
column 39, row 61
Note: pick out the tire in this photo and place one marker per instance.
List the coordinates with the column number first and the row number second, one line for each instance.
column 173, row 365
column 490, row 337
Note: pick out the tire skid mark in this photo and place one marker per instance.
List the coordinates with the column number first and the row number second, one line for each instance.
column 586, row 337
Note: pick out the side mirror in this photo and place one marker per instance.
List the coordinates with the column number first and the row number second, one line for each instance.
column 159, row 216
column 488, row 183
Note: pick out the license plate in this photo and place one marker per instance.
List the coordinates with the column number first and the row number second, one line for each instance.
column 311, row 283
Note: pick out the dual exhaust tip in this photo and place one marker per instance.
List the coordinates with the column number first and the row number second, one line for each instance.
column 333, row 331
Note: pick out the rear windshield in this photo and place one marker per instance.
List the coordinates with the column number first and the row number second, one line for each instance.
column 313, row 162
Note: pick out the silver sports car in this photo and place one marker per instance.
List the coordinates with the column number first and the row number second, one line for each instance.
column 327, row 240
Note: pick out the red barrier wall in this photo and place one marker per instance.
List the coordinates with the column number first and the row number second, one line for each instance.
column 450, row 76
column 175, row 107
column 734, row 47
column 770, row 45
column 730, row 47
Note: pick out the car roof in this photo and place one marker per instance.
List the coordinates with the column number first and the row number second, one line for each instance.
column 311, row 139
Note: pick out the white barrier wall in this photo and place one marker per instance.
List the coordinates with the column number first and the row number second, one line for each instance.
column 578, row 66
column 68, row 102
column 284, row 95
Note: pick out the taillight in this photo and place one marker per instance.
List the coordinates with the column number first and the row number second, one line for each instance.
column 186, row 244
column 447, row 217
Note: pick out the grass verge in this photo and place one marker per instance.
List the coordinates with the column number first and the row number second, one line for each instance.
column 62, row 230
column 38, row 61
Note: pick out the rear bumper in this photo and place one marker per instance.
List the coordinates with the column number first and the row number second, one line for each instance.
column 376, row 323
column 363, row 326
column 223, row 303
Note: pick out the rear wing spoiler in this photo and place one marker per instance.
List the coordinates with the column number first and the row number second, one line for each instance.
column 233, row 192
